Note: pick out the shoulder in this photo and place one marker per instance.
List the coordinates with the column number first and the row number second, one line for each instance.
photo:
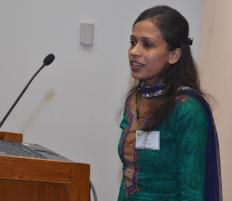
column 188, row 112
column 188, row 105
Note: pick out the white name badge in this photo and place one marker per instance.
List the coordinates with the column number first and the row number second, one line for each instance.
column 147, row 140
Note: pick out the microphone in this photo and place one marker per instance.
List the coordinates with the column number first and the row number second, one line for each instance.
column 47, row 61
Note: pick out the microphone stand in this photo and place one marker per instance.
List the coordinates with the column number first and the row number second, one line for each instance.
column 46, row 62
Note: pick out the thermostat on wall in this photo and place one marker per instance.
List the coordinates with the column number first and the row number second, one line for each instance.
column 86, row 33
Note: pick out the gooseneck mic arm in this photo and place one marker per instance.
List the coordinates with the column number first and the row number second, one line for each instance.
column 47, row 61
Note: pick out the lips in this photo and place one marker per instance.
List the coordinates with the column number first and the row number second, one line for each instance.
column 136, row 65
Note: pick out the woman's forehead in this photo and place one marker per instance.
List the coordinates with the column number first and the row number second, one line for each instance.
column 146, row 29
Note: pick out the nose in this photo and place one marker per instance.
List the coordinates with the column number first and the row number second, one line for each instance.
column 135, row 50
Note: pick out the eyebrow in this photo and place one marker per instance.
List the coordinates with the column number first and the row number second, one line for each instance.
column 142, row 38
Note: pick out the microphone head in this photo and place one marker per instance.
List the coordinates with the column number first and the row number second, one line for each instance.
column 48, row 59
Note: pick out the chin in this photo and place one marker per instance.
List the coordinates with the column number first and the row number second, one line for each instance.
column 137, row 76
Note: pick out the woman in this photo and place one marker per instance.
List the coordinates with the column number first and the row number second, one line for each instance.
column 168, row 145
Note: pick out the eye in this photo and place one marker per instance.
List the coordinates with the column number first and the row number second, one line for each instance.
column 132, row 42
column 148, row 44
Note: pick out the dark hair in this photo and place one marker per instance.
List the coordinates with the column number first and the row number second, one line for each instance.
column 175, row 31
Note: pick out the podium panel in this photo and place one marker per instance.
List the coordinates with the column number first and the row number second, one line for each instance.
column 15, row 190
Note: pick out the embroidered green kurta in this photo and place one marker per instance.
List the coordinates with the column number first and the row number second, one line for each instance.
column 175, row 172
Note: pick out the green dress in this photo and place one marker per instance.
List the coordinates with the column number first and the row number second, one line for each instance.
column 174, row 172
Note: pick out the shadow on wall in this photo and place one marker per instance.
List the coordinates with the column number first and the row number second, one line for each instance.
column 49, row 95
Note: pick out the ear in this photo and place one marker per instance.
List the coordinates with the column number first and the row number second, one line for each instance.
column 174, row 56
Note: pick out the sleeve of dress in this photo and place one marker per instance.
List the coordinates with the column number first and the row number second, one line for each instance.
column 124, row 121
column 191, row 145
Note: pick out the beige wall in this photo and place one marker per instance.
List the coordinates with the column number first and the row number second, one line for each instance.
column 215, row 64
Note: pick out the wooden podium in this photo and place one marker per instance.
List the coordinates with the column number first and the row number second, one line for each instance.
column 33, row 179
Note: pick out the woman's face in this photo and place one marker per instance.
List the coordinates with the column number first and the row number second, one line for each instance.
column 148, row 53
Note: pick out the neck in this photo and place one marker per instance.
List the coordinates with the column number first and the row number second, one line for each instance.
column 151, row 82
